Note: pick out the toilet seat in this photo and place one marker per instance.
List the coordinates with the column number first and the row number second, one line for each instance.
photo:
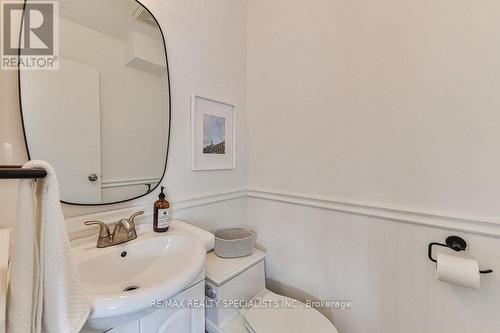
column 273, row 313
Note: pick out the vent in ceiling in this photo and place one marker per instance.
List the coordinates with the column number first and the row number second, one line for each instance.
column 143, row 16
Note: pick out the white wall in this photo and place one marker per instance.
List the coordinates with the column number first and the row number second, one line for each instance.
column 363, row 115
column 206, row 57
column 10, row 131
column 386, row 102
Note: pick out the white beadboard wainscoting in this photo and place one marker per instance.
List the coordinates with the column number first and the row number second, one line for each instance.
column 376, row 257
column 379, row 263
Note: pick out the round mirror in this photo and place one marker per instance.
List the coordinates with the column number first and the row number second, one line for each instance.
column 101, row 115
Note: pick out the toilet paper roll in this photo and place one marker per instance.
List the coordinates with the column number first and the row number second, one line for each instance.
column 460, row 271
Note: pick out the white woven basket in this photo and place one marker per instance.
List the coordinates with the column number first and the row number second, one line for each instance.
column 234, row 242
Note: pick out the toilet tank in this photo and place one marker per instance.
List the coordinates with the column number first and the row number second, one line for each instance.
column 229, row 282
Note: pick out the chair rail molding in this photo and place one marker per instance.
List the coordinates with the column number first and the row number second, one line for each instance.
column 477, row 225
column 76, row 228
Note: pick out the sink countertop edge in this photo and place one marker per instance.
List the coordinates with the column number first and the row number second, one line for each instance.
column 4, row 275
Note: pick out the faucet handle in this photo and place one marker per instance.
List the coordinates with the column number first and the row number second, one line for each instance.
column 133, row 216
column 104, row 229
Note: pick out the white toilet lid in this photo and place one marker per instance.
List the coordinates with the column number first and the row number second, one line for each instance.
column 280, row 314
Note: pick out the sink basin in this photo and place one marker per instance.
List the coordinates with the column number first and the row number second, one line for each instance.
column 122, row 281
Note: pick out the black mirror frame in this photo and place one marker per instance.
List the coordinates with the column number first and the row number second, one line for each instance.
column 169, row 113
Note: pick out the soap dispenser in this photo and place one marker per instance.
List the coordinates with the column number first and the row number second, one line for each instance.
column 161, row 213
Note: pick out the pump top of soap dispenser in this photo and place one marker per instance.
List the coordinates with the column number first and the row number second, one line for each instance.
column 161, row 195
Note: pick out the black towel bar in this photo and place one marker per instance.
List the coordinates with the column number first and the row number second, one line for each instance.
column 17, row 172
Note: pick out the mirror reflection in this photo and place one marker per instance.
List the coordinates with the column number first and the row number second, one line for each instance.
column 102, row 118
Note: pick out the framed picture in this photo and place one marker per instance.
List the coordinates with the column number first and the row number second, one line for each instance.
column 212, row 134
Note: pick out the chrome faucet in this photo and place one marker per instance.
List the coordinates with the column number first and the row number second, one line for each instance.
column 123, row 231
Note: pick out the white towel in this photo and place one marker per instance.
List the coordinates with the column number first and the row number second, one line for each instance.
column 45, row 292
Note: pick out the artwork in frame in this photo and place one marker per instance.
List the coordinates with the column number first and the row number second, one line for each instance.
column 212, row 134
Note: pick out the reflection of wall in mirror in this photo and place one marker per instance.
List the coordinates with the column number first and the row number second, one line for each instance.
column 133, row 108
column 62, row 123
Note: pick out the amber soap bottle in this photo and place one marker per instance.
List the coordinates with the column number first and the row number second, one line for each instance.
column 161, row 213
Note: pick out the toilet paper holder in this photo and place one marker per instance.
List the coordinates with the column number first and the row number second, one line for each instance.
column 455, row 243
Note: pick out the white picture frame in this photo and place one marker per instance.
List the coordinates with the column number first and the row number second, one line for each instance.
column 213, row 134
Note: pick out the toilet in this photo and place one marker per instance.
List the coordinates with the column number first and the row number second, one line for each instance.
column 238, row 301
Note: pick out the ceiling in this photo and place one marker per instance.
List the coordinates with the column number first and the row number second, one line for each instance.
column 111, row 17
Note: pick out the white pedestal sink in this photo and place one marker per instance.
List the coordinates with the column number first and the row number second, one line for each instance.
column 123, row 281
